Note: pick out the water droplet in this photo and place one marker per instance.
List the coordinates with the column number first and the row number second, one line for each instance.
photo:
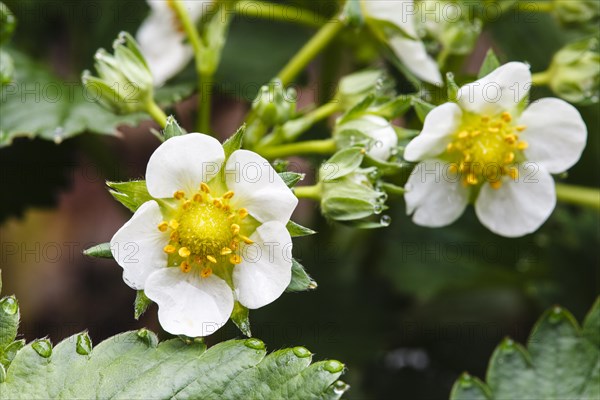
column 377, row 208
column 312, row 285
column 301, row 352
column 84, row 344
column 9, row 305
column 383, row 196
column 43, row 347
column 255, row 344
column 385, row 220
column 333, row 366
column 373, row 175
column 339, row 387
column 58, row 134
column 393, row 151
column 466, row 381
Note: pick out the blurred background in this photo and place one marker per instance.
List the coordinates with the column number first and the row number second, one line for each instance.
column 405, row 308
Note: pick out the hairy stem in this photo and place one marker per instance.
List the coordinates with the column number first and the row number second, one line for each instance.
column 157, row 114
column 308, row 192
column 578, row 195
column 279, row 12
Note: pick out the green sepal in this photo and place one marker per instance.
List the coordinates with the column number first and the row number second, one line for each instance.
column 131, row 194
column 352, row 13
column 241, row 318
column 341, row 164
column 452, row 87
column 172, row 128
column 291, row 178
column 10, row 351
column 234, row 142
column 141, row 304
column 297, row 230
column 358, row 109
column 101, row 250
column 422, row 108
column 393, row 108
column 490, row 63
column 301, row 281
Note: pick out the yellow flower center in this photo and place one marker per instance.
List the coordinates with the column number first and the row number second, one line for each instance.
column 206, row 233
column 486, row 148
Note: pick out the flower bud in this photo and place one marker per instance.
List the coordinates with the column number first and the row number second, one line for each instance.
column 124, row 82
column 347, row 191
column 450, row 24
column 575, row 72
column 577, row 11
column 375, row 132
column 275, row 105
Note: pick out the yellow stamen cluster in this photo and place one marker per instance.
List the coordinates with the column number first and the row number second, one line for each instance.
column 486, row 148
column 206, row 232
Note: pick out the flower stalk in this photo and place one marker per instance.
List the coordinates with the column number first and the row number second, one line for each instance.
column 157, row 114
column 578, row 195
column 278, row 12
column 325, row 146
column 312, row 192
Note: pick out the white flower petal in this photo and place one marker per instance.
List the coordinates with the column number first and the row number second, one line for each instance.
column 518, row 207
column 399, row 12
column 414, row 56
column 138, row 245
column 182, row 162
column 266, row 269
column 384, row 136
column 499, row 91
column 555, row 132
column 440, row 124
column 435, row 195
column 163, row 43
column 258, row 187
column 188, row 304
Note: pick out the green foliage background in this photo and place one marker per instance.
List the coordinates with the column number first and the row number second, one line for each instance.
column 407, row 309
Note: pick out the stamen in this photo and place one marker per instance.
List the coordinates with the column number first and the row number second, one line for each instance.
column 174, row 236
column 247, row 240
column 218, row 203
column 450, row 147
column 185, row 267
column 496, row 184
column 485, row 119
column 510, row 139
column 463, row 135
column 228, row 195
column 472, row 179
column 204, row 187
column 513, row 173
column 206, row 272
column 180, row 194
column 509, row 157
column 235, row 228
column 235, row 259
column 522, row 145
column 163, row 226
column 169, row 249
column 184, row 252
column 198, row 198
column 225, row 251
column 174, row 224
column 506, row 116
column 520, row 128
column 187, row 204
column 243, row 213
column 212, row 259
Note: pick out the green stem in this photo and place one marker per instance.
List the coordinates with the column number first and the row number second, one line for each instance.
column 544, row 6
column 578, row 195
column 310, row 50
column 541, row 78
column 204, row 79
column 204, row 102
column 279, row 12
column 393, row 189
column 308, row 192
column 325, row 147
column 156, row 113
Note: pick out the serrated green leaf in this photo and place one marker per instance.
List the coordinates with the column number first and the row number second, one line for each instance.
column 101, row 250
column 131, row 194
column 37, row 104
column 9, row 321
column 490, row 63
column 301, row 281
column 130, row 365
column 291, row 178
column 141, row 304
column 241, row 318
column 591, row 325
column 172, row 128
column 561, row 362
column 469, row 388
column 297, row 230
column 422, row 108
column 234, row 142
